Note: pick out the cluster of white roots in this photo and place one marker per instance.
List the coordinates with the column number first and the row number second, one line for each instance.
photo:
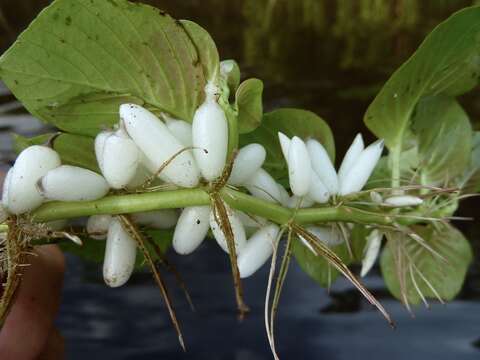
column 142, row 148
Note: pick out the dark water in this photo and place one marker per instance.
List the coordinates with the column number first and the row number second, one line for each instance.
column 330, row 57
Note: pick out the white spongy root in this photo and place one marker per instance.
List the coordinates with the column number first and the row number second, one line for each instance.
column 351, row 156
column 182, row 130
column 238, row 230
column 159, row 146
column 264, row 186
column 372, row 249
column 157, row 219
column 257, row 250
column 210, row 138
column 322, row 165
column 119, row 158
column 328, row 235
column 403, row 201
column 20, row 193
column 192, row 228
column 249, row 160
column 299, row 167
column 358, row 175
column 120, row 255
column 97, row 226
column 72, row 183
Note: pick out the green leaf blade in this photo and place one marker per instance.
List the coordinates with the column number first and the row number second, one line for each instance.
column 248, row 99
column 447, row 62
column 446, row 278
column 78, row 49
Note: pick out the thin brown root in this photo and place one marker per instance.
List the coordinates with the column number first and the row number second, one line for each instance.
column 137, row 235
column 346, row 238
column 219, row 183
column 282, row 274
column 332, row 258
column 15, row 250
column 172, row 269
column 221, row 217
column 271, row 275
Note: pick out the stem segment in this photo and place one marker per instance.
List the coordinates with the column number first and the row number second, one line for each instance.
column 132, row 203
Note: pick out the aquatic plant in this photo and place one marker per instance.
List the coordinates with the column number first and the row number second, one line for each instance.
column 123, row 82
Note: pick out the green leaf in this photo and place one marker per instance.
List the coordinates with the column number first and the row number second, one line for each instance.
column 447, row 62
column 91, row 250
column 248, row 100
column 445, row 277
column 444, row 138
column 76, row 150
column 21, row 142
column 205, row 47
column 80, row 59
column 302, row 123
column 470, row 181
column 316, row 266
column 233, row 74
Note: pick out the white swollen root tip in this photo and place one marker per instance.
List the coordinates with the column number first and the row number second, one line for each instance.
column 330, row 236
column 158, row 219
column 120, row 254
column 118, row 158
column 251, row 221
column 300, row 202
column 372, row 249
column 20, row 193
column 210, row 137
column 351, row 157
column 358, row 175
column 249, row 160
column 284, row 144
column 284, row 196
column 192, row 228
column 376, row 197
column 97, row 226
column 403, row 201
column 299, row 167
column 99, row 146
column 182, row 130
column 322, row 165
column 257, row 250
column 318, row 191
column 71, row 183
column 263, row 186
column 238, row 230
column 159, row 146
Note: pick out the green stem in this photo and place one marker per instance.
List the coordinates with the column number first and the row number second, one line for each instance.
column 132, row 203
column 122, row 204
column 396, row 154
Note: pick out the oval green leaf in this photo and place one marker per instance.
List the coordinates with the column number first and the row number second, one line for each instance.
column 444, row 138
column 80, row 58
column 248, row 99
column 414, row 264
column 205, row 47
column 447, row 62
